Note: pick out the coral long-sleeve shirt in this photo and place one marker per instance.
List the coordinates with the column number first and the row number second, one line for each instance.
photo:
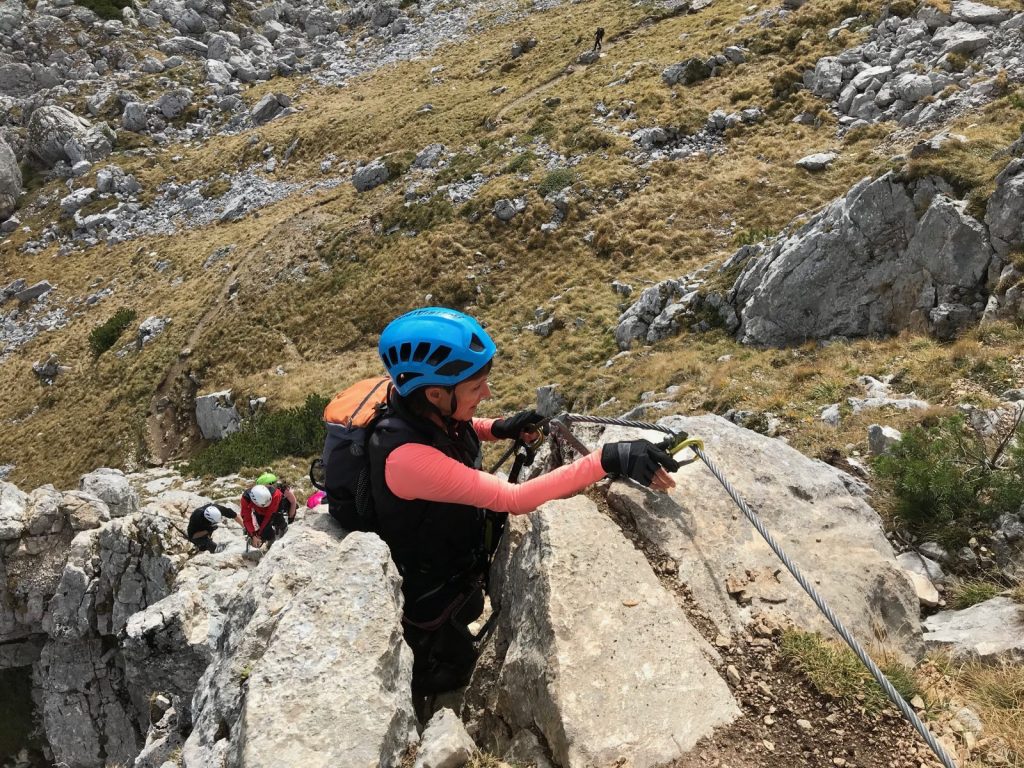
column 416, row 471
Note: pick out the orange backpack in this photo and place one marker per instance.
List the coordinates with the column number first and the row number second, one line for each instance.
column 343, row 471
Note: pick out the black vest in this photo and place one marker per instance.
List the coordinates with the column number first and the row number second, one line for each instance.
column 438, row 547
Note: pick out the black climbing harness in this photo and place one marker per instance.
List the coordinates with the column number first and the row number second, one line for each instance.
column 680, row 441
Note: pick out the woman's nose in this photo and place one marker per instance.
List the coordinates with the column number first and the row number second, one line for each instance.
column 486, row 392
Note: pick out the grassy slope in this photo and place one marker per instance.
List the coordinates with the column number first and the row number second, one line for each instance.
column 685, row 214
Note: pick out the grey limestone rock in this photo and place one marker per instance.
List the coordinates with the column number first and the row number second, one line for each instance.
column 1005, row 211
column 816, row 162
column 269, row 107
column 316, row 634
column 881, row 439
column 686, row 72
column 445, row 742
column 370, row 175
column 504, row 209
column 429, row 156
column 876, row 267
column 10, row 181
column 174, row 103
column 991, row 631
column 134, row 118
column 820, row 512
column 50, row 128
column 217, row 415
column 640, row 688
column 978, row 13
column 112, row 487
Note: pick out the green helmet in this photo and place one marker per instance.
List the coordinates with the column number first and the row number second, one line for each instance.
column 267, row 478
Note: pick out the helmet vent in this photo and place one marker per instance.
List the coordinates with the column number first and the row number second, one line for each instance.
column 393, row 355
column 453, row 368
column 440, row 355
column 475, row 344
column 421, row 351
column 405, row 352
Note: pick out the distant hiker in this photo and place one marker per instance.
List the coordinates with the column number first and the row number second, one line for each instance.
column 598, row 37
column 204, row 521
column 431, row 499
column 266, row 512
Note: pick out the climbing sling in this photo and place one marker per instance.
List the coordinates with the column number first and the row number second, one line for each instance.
column 679, row 441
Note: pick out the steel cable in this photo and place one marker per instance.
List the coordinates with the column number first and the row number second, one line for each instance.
column 755, row 520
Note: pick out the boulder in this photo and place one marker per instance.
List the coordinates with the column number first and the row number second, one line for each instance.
column 445, row 742
column 10, row 180
column 16, row 79
column 960, row 38
column 921, row 565
column 269, row 107
column 429, row 156
column 827, row 78
column 74, row 201
column 33, row 291
column 640, row 688
column 84, row 511
column 13, row 506
column 911, row 87
column 313, row 645
column 1005, row 211
column 369, row 176
column 174, row 103
column 818, row 513
column 990, row 631
column 149, row 329
column 49, row 130
column 867, row 265
column 819, row 161
column 216, row 415
column 113, row 488
column 686, row 72
column 882, row 439
column 48, row 370
column 134, row 118
column 978, row 13
column 504, row 210
column 927, row 594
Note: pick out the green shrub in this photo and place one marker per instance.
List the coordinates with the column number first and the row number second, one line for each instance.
column 949, row 482
column 521, row 163
column 104, row 336
column 752, row 236
column 555, row 181
column 398, row 163
column 105, row 9
column 295, row 431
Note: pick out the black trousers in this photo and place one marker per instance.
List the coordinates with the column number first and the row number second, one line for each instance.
column 444, row 657
column 204, row 544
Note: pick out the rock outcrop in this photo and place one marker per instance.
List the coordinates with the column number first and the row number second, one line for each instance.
column 593, row 652
column 312, row 646
column 55, row 135
column 877, row 268
column 990, row 631
column 816, row 512
column 10, row 180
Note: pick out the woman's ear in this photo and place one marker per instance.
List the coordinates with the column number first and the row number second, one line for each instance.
column 434, row 395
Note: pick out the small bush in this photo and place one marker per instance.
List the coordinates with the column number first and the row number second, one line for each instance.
column 105, row 9
column 398, row 163
column 752, row 236
column 521, row 163
column 104, row 336
column 556, row 181
column 834, row 670
column 949, row 482
column 295, row 431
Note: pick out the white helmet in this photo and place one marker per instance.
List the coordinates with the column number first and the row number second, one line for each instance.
column 261, row 496
column 212, row 514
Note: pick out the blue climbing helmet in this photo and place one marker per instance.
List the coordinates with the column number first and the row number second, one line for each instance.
column 433, row 347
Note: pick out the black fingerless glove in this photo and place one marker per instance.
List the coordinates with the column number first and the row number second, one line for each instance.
column 636, row 459
column 510, row 428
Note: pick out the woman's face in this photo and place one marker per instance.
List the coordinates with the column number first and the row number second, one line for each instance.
column 468, row 395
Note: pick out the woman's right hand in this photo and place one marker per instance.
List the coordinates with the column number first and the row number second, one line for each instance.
column 640, row 460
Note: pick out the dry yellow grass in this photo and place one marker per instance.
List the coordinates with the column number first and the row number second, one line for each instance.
column 673, row 217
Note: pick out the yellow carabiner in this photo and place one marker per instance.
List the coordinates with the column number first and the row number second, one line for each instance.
column 687, row 442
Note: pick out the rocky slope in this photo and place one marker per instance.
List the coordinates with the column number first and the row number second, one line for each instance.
column 618, row 636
